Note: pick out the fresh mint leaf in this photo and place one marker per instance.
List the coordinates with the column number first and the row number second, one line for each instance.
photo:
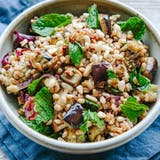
column 90, row 105
column 32, row 87
column 112, row 90
column 131, row 79
column 143, row 82
column 133, row 109
column 134, row 24
column 92, row 20
column 44, row 105
column 93, row 117
column 45, row 25
column 84, row 127
column 110, row 74
column 76, row 53
column 39, row 127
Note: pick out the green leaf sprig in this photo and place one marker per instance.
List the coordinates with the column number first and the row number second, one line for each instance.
column 76, row 53
column 32, row 87
column 93, row 117
column 143, row 82
column 44, row 105
column 92, row 20
column 90, row 105
column 134, row 24
column 45, row 25
column 39, row 127
column 110, row 74
column 132, row 109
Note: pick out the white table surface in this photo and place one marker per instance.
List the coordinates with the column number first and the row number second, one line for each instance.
column 149, row 8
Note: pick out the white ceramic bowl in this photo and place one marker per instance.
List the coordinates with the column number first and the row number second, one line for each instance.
column 21, row 23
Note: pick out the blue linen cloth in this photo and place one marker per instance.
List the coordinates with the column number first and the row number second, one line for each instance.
column 17, row 147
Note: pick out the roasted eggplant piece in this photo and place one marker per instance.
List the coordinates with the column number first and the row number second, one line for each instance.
column 105, row 24
column 72, row 76
column 94, row 132
column 74, row 115
column 73, row 137
column 99, row 74
column 151, row 66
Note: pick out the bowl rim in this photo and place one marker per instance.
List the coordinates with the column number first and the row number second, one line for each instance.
column 78, row 148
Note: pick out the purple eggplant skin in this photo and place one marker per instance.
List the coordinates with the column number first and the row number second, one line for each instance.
column 99, row 74
column 105, row 24
column 151, row 67
column 74, row 115
column 108, row 24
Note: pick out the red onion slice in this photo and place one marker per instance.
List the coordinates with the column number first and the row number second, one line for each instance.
column 5, row 59
column 25, row 84
column 116, row 98
column 18, row 53
column 20, row 37
column 30, row 112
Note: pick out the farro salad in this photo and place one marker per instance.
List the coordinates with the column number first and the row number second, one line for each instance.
column 81, row 79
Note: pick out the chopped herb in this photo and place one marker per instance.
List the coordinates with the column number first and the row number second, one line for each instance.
column 90, row 105
column 56, row 135
column 44, row 105
column 45, row 25
column 134, row 24
column 81, row 138
column 90, row 116
column 143, row 82
column 131, row 79
column 39, row 127
column 112, row 90
column 43, row 100
column 92, row 20
column 133, row 109
column 76, row 53
column 32, row 87
column 111, row 74
column 84, row 127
